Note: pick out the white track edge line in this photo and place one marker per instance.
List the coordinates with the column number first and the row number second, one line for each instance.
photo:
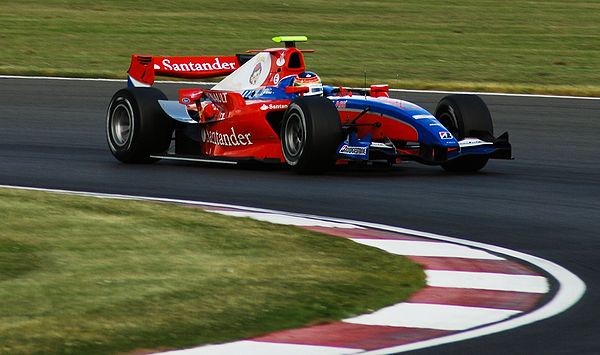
column 571, row 287
column 392, row 90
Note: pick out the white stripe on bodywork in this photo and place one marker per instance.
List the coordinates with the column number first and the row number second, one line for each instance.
column 432, row 316
column 420, row 117
column 249, row 347
column 176, row 111
column 137, row 83
column 418, row 248
column 487, row 281
column 472, row 142
column 196, row 160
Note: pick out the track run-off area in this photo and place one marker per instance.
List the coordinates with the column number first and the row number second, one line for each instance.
column 473, row 289
column 543, row 204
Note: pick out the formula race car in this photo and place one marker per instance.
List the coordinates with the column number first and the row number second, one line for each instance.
column 268, row 108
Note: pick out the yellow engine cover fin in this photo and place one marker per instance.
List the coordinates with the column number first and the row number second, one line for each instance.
column 290, row 41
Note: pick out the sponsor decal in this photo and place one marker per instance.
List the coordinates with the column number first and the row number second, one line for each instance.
column 156, row 66
column 192, row 66
column 276, row 78
column 436, row 124
column 217, row 97
column 346, row 149
column 185, row 100
column 341, row 103
column 281, row 60
column 226, row 139
column 421, row 117
column 265, row 107
column 445, row 135
column 381, row 145
column 249, row 94
column 472, row 142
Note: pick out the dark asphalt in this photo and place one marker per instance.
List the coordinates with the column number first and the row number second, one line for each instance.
column 545, row 203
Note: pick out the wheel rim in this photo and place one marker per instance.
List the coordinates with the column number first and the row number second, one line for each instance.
column 295, row 135
column 121, row 124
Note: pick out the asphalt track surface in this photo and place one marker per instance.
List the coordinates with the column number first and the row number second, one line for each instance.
column 545, row 203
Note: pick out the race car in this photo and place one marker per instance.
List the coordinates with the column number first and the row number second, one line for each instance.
column 269, row 108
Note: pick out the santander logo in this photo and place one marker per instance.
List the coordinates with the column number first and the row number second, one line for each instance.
column 192, row 66
column 265, row 107
column 225, row 139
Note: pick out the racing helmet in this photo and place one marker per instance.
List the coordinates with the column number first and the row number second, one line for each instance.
column 310, row 80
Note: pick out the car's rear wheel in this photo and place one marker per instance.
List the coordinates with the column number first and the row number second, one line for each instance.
column 136, row 125
column 310, row 133
column 465, row 116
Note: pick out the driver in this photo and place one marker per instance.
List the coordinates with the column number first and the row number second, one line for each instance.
column 310, row 80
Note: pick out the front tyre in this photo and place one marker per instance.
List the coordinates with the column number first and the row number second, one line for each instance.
column 465, row 116
column 310, row 133
column 136, row 125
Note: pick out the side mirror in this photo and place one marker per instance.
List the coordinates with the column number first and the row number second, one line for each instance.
column 379, row 91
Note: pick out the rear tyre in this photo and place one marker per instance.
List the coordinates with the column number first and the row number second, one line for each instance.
column 310, row 133
column 465, row 116
column 136, row 125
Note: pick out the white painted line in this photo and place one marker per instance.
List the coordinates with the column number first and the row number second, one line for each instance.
column 497, row 94
column 433, row 316
column 249, row 347
column 278, row 218
column 570, row 287
column 392, row 90
column 419, row 248
column 487, row 281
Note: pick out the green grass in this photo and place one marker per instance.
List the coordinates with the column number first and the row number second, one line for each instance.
column 88, row 275
column 515, row 45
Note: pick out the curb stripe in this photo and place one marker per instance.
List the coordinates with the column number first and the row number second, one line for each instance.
column 249, row 347
column 403, row 247
column 364, row 234
column 433, row 316
column 517, row 301
column 287, row 220
column 461, row 264
column 368, row 337
column 487, row 281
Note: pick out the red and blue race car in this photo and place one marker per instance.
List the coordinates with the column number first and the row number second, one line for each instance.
column 269, row 108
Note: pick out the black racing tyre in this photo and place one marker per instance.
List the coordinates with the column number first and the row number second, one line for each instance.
column 465, row 116
column 136, row 125
column 310, row 134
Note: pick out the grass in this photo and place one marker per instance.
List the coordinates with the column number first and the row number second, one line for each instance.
column 514, row 46
column 96, row 276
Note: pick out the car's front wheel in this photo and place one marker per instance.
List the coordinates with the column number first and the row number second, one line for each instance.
column 310, row 133
column 465, row 116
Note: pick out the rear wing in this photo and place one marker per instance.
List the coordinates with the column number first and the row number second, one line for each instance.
column 145, row 68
